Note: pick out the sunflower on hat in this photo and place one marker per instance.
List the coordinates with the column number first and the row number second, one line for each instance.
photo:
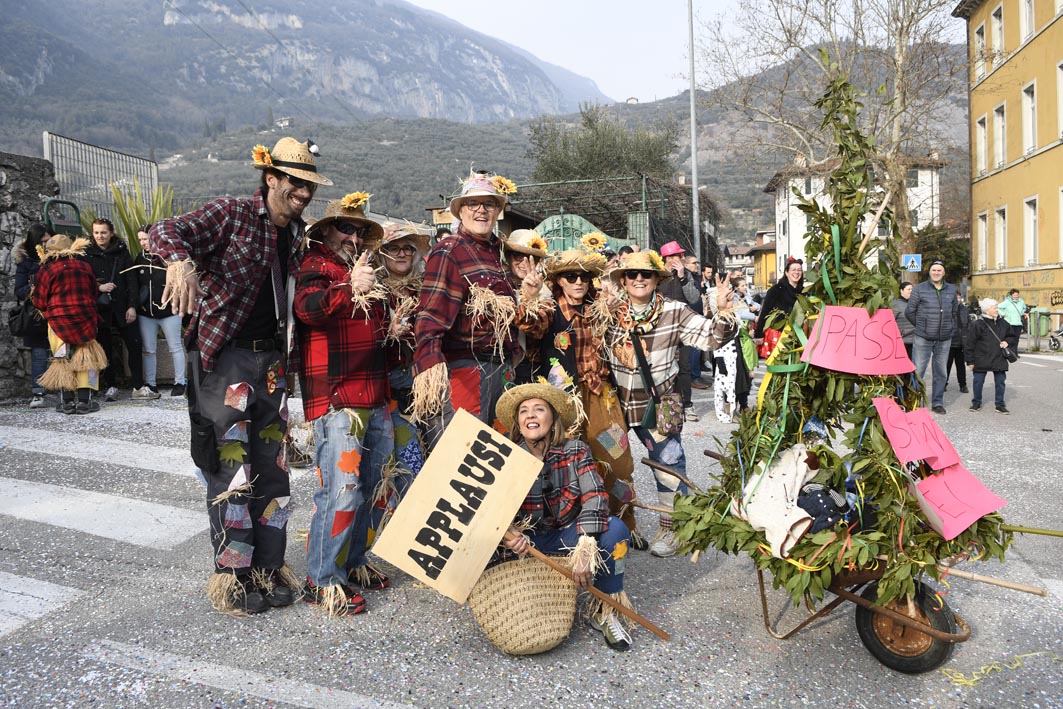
column 355, row 200
column 594, row 241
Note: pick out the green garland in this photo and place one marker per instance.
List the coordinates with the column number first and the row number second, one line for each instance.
column 902, row 545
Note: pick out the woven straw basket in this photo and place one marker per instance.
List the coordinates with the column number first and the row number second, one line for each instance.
column 523, row 606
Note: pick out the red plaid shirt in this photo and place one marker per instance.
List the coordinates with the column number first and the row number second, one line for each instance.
column 65, row 292
column 568, row 489
column 443, row 329
column 233, row 244
column 344, row 360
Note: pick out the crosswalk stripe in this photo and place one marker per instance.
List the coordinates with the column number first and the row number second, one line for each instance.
column 124, row 519
column 181, row 668
column 23, row 600
column 98, row 449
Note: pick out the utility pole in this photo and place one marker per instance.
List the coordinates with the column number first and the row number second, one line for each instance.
column 693, row 139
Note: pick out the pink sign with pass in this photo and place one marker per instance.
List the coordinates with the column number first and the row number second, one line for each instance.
column 848, row 340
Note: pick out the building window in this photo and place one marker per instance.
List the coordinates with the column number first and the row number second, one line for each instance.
column 1000, row 238
column 980, row 146
column 979, row 52
column 912, row 178
column 1026, row 19
column 782, row 227
column 981, row 257
column 1029, row 231
column 808, row 185
column 913, row 217
column 1029, row 118
column 996, row 36
column 1000, row 137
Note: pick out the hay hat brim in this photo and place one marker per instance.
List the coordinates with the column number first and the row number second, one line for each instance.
column 391, row 233
column 513, row 243
column 559, row 400
column 575, row 260
column 640, row 261
column 375, row 230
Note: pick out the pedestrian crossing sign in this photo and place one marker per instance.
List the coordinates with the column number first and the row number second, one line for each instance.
column 912, row 262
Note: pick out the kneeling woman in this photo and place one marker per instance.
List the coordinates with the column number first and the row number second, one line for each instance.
column 567, row 504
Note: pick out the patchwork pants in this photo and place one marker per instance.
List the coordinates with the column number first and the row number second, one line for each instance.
column 667, row 450
column 474, row 386
column 243, row 401
column 353, row 447
column 606, row 435
column 612, row 548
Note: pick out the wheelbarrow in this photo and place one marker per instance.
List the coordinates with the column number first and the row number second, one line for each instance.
column 911, row 636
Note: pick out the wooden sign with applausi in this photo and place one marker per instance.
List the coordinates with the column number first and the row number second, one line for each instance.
column 455, row 513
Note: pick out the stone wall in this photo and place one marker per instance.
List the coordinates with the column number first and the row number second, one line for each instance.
column 25, row 183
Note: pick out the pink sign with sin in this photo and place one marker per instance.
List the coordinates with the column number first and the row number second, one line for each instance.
column 848, row 340
column 915, row 435
column 954, row 499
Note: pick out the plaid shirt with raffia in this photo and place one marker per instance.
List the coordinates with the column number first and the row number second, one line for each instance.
column 65, row 292
column 443, row 329
column 568, row 488
column 591, row 367
column 232, row 242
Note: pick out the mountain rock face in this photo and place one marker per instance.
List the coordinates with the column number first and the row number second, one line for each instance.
column 159, row 71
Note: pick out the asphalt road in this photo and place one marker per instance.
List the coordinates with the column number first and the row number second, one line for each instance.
column 104, row 554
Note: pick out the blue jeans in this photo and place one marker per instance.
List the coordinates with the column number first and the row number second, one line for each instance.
column 353, row 446
column 38, row 364
column 922, row 352
column 998, row 387
column 611, row 578
column 149, row 334
column 695, row 363
column 669, row 452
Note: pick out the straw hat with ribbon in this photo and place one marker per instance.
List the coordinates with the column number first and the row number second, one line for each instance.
column 481, row 184
column 640, row 261
column 290, row 157
column 347, row 209
column 526, row 241
column 561, row 401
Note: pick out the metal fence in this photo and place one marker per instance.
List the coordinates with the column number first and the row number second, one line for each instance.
column 85, row 172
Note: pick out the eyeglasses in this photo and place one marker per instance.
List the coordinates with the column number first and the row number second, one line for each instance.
column 573, row 276
column 488, row 205
column 299, row 183
column 633, row 273
column 350, row 228
column 399, row 249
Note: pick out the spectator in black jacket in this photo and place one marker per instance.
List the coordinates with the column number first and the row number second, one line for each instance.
column 152, row 316
column 959, row 336
column 27, row 263
column 932, row 310
column 781, row 297
column 907, row 329
column 984, row 349
column 118, row 288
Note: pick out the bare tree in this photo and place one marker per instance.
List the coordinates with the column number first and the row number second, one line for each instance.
column 774, row 57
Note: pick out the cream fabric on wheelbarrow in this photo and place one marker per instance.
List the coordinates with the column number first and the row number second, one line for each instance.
column 769, row 501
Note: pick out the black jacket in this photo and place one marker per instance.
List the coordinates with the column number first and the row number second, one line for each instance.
column 108, row 265
column 685, row 289
column 151, row 279
column 982, row 346
column 963, row 321
column 781, row 296
column 933, row 310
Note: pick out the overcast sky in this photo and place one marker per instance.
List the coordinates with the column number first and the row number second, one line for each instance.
column 628, row 47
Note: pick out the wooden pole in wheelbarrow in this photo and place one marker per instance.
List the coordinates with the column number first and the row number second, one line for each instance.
column 603, row 597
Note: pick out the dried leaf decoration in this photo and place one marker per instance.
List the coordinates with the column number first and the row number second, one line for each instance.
column 232, row 452
column 350, row 461
column 271, row 433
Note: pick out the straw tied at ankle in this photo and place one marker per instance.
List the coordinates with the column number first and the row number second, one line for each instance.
column 480, row 465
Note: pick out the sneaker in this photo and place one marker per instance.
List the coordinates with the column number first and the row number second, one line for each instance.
column 37, row 401
column 689, row 415
column 976, row 407
column 698, row 384
column 664, row 543
column 352, row 604
column 963, row 390
column 248, row 598
column 87, row 407
column 177, row 390
column 638, row 542
column 144, row 392
column 271, row 585
column 111, row 394
column 616, row 635
column 1002, row 409
column 65, row 406
column 368, row 578
column 938, row 409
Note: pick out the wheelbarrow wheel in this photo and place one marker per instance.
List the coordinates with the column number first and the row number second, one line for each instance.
column 902, row 648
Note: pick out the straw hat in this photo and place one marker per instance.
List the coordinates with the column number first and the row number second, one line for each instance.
column 526, row 241
column 397, row 231
column 290, row 157
column 348, row 209
column 561, row 401
column 640, row 261
column 575, row 260
column 480, row 184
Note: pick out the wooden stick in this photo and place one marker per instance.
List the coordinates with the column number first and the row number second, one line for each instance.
column 651, row 508
column 1031, row 530
column 873, row 225
column 713, row 454
column 1035, row 590
column 604, row 597
column 671, row 471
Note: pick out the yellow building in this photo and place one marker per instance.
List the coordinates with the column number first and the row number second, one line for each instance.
column 1016, row 133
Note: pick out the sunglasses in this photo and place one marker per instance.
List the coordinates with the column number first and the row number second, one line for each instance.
column 518, row 257
column 299, row 183
column 633, row 273
column 350, row 229
column 399, row 250
column 573, row 276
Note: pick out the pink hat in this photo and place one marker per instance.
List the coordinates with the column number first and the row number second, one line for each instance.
column 671, row 249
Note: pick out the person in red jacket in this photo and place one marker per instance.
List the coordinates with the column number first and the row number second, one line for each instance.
column 342, row 324
column 65, row 293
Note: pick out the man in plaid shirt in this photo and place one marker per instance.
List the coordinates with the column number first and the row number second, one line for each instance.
column 228, row 265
